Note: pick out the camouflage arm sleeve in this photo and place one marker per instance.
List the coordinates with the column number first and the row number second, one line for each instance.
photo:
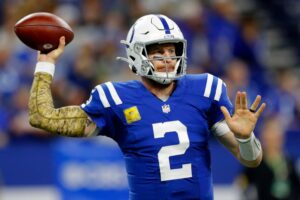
column 68, row 121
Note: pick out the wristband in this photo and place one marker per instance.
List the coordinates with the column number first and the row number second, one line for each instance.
column 46, row 67
column 245, row 140
column 250, row 148
column 220, row 128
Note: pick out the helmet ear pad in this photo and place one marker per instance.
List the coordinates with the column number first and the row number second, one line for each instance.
column 133, row 69
column 179, row 48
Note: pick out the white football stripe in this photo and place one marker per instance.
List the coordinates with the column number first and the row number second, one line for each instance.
column 102, row 96
column 113, row 93
column 209, row 82
column 219, row 90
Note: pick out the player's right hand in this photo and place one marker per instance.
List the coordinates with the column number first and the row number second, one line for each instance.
column 52, row 56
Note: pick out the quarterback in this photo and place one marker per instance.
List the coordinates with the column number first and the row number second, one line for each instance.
column 161, row 122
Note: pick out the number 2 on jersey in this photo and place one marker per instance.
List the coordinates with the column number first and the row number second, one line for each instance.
column 164, row 154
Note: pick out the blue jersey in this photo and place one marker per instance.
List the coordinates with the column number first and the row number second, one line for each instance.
column 165, row 143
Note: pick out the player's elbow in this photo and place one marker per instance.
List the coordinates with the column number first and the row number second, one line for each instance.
column 34, row 121
column 40, row 116
column 40, row 119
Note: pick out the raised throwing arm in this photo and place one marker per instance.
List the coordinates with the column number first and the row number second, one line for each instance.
column 68, row 121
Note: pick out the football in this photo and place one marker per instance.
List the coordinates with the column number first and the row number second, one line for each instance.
column 41, row 31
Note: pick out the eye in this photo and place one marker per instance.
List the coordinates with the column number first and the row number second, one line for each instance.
column 156, row 52
column 158, row 57
column 161, row 51
column 172, row 51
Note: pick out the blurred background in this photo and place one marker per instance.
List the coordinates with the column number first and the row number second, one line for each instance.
column 253, row 45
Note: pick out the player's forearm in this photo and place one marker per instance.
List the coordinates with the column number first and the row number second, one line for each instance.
column 252, row 163
column 67, row 121
column 250, row 151
column 230, row 142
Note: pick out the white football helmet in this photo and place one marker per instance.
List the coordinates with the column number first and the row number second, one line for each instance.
column 154, row 29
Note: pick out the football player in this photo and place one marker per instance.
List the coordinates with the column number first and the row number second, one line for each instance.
column 162, row 122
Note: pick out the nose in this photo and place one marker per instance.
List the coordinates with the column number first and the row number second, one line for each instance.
column 168, row 56
column 168, row 59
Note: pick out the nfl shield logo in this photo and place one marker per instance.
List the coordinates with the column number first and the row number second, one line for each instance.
column 166, row 108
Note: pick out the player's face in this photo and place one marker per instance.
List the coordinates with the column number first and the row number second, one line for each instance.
column 162, row 57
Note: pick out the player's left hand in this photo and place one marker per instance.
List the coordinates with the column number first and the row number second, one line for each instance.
column 244, row 119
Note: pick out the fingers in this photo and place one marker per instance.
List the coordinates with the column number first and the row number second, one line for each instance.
column 225, row 113
column 241, row 100
column 260, row 110
column 244, row 103
column 241, row 103
column 238, row 100
column 53, row 55
column 62, row 42
column 255, row 103
column 61, row 46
